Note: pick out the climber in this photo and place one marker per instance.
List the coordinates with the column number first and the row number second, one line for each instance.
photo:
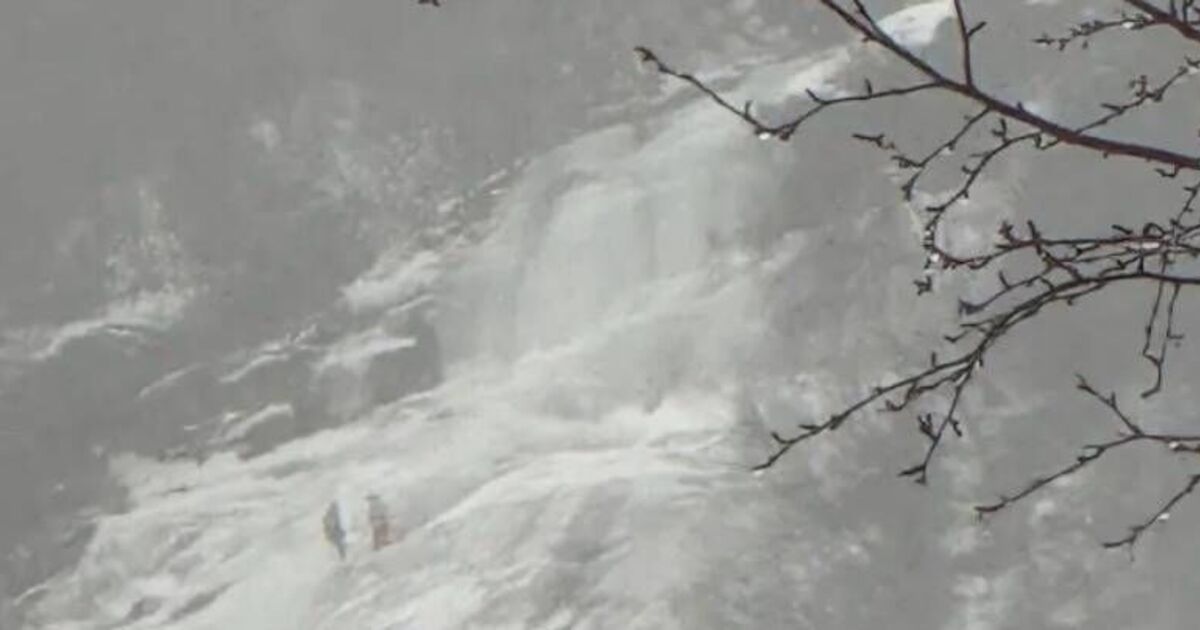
column 378, row 518
column 652, row 394
column 334, row 532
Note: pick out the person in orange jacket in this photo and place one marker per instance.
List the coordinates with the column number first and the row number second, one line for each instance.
column 378, row 518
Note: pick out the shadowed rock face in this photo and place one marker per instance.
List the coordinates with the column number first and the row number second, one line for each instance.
column 406, row 369
column 176, row 409
column 255, row 403
column 394, row 374
column 60, row 418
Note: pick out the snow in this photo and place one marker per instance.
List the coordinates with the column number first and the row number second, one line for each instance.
column 486, row 477
column 916, row 26
column 256, row 363
column 167, row 381
column 243, row 426
column 391, row 281
column 251, row 529
column 534, row 489
column 354, row 353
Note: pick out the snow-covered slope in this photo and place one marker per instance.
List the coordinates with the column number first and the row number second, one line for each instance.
column 585, row 463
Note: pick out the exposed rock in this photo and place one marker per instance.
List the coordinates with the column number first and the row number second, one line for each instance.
column 261, row 431
column 177, row 409
column 271, row 375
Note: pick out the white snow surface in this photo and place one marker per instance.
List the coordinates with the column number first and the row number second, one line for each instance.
column 390, row 281
column 239, row 426
column 917, row 25
column 355, row 352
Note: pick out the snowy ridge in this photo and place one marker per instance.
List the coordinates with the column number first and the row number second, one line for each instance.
column 242, row 426
column 354, row 352
column 391, row 281
column 148, row 311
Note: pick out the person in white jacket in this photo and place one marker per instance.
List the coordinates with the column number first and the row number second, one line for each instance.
column 334, row 532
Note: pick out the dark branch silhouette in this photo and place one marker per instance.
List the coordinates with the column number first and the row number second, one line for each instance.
column 1182, row 18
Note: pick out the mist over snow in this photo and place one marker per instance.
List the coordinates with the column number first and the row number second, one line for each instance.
column 554, row 369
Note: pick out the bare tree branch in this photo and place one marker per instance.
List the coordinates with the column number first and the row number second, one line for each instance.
column 1132, row 432
column 1163, row 513
column 869, row 28
column 965, row 33
column 782, row 131
column 1175, row 17
column 1068, row 269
